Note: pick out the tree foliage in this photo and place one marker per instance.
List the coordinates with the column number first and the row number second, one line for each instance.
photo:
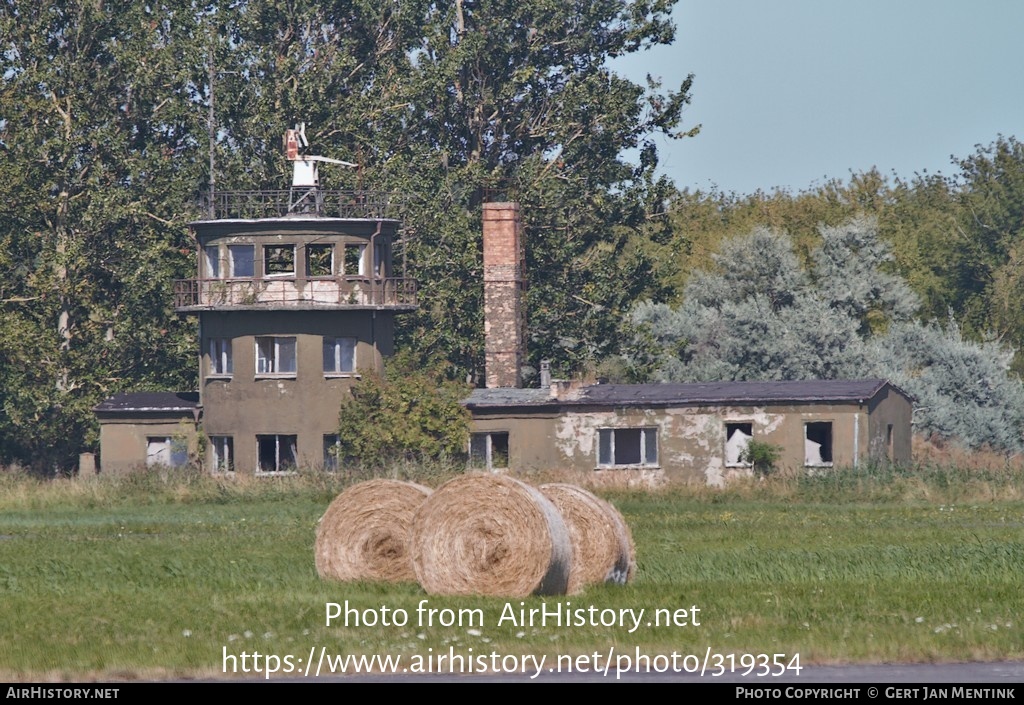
column 413, row 413
column 760, row 315
column 104, row 152
column 94, row 202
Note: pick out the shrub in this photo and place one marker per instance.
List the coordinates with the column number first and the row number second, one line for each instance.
column 762, row 456
column 411, row 414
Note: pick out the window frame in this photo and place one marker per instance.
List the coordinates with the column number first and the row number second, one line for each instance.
column 233, row 260
column 173, row 454
column 276, row 357
column 219, row 353
column 336, row 348
column 648, row 439
column 270, row 259
column 731, row 462
column 222, row 454
column 212, row 257
column 487, row 458
column 281, row 466
column 824, row 448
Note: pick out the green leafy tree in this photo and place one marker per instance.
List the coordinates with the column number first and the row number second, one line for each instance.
column 413, row 413
column 93, row 204
column 104, row 147
column 458, row 103
column 761, row 316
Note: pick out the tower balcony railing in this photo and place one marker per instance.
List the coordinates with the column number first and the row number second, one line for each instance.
column 283, row 292
column 302, row 202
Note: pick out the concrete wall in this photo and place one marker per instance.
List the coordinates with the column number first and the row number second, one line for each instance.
column 304, row 404
column 124, row 440
column 691, row 441
column 890, row 410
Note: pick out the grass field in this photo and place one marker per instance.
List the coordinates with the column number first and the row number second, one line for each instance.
column 157, row 576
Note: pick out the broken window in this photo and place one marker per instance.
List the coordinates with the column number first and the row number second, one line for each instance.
column 339, row 355
column 618, row 447
column 354, row 259
column 211, row 254
column 489, row 450
column 818, row 443
column 737, row 437
column 220, row 356
column 331, row 443
column 277, row 453
column 222, row 453
column 319, row 260
column 165, row 450
column 275, row 355
column 240, row 260
column 278, row 260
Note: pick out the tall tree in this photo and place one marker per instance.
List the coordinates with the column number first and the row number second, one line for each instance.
column 104, row 141
column 760, row 315
column 96, row 111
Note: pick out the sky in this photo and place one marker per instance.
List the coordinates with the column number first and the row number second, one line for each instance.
column 793, row 93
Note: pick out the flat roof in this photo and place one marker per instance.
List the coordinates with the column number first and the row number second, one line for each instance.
column 687, row 394
column 150, row 401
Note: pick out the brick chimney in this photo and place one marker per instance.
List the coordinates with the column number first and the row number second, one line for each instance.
column 504, row 319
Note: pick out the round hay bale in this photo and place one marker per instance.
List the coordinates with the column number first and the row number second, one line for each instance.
column 364, row 534
column 482, row 534
column 603, row 550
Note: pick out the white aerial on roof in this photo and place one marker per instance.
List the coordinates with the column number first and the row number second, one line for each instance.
column 305, row 173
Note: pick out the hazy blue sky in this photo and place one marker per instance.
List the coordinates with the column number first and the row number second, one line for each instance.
column 793, row 92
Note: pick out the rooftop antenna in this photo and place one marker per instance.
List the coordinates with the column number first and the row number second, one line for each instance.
column 305, row 194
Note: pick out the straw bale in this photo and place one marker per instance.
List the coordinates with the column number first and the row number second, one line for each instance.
column 484, row 534
column 603, row 550
column 364, row 534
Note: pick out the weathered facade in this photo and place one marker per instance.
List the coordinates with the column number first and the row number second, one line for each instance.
column 690, row 431
column 291, row 309
column 293, row 306
column 148, row 428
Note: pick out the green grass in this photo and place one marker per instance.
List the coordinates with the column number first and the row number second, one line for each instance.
column 154, row 575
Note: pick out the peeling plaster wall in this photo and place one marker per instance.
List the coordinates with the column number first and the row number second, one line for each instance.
column 691, row 440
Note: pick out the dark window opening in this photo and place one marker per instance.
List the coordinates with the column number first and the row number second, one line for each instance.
column 277, row 453
column 489, row 450
column 319, row 260
column 737, row 438
column 818, row 443
column 279, row 259
column 627, row 446
column 354, row 259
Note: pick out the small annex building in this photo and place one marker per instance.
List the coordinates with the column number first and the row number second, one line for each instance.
column 690, row 431
column 147, row 428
